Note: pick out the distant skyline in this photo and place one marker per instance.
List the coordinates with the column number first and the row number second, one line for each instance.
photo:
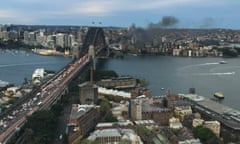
column 187, row 13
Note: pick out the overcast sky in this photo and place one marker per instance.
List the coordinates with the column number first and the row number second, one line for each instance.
column 189, row 13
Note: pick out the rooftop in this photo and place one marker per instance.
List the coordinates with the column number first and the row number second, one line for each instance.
column 190, row 141
column 144, row 122
column 160, row 139
column 226, row 115
column 146, row 107
column 114, row 92
column 214, row 106
column 123, row 133
column 193, row 97
column 109, row 124
column 79, row 110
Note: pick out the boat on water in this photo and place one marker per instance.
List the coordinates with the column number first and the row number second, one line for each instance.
column 222, row 62
column 46, row 52
column 219, row 95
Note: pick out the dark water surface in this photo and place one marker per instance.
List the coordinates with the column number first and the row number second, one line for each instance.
column 17, row 65
column 178, row 74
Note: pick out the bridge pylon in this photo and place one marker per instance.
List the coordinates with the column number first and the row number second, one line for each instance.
column 91, row 55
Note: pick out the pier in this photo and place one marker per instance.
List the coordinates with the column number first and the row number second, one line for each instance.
column 227, row 116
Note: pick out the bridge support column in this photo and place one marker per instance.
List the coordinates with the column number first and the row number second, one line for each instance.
column 91, row 55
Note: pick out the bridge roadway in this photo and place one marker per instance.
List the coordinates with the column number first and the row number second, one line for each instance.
column 49, row 94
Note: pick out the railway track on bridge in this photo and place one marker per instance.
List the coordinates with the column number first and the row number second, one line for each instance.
column 52, row 88
column 51, row 94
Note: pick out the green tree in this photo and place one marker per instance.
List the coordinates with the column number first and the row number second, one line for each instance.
column 203, row 133
column 206, row 135
column 110, row 117
column 43, row 125
column 57, row 109
column 105, row 110
column 102, row 74
column 65, row 98
column 145, row 134
column 104, row 106
column 229, row 52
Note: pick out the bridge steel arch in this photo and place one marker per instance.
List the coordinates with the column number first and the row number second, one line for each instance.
column 95, row 37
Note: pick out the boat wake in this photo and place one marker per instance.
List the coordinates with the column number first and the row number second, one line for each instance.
column 207, row 64
column 23, row 64
column 217, row 74
column 197, row 65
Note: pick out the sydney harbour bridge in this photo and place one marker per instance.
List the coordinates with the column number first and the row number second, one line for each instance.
column 48, row 93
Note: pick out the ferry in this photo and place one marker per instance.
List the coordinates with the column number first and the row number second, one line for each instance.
column 219, row 95
column 222, row 62
column 46, row 52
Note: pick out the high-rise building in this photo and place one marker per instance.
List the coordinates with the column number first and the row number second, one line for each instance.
column 79, row 37
column 4, row 35
column 71, row 40
column 75, row 50
column 1, row 35
column 65, row 41
column 40, row 38
column 32, row 38
column 13, row 35
column 26, row 37
column 60, row 40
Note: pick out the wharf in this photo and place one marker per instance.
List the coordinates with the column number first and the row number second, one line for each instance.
column 227, row 116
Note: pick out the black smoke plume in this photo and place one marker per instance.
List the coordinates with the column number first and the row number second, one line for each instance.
column 208, row 22
column 166, row 22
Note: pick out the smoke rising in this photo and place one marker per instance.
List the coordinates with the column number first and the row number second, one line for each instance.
column 208, row 23
column 166, row 22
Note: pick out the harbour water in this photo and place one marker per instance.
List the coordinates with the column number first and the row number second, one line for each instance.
column 163, row 73
column 16, row 65
column 178, row 74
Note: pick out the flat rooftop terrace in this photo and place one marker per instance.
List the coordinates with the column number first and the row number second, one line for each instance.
column 226, row 115
column 215, row 106
column 211, row 105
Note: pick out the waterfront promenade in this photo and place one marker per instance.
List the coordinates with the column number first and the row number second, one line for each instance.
column 227, row 116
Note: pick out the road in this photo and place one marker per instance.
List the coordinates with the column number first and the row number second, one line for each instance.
column 49, row 93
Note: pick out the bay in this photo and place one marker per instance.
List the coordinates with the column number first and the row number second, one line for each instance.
column 15, row 65
column 178, row 74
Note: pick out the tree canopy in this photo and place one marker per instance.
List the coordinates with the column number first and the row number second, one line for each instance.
column 43, row 125
column 105, row 109
column 206, row 135
column 103, row 74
